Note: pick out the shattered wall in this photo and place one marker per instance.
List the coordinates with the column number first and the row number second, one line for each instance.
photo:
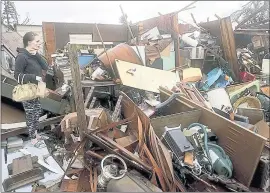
column 58, row 37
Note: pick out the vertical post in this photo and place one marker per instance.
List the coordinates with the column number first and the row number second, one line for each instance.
column 132, row 36
column 176, row 39
column 77, row 90
column 228, row 44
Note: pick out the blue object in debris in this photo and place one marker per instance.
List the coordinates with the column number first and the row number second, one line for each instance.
column 216, row 78
column 221, row 82
column 85, row 59
column 212, row 77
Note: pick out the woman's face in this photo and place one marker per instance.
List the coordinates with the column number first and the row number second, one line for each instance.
column 35, row 44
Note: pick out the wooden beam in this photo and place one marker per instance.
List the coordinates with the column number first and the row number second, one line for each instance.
column 184, row 8
column 77, row 89
column 217, row 17
column 252, row 33
column 176, row 40
column 228, row 44
column 89, row 95
column 194, row 20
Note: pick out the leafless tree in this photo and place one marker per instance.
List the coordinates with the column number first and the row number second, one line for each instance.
column 10, row 16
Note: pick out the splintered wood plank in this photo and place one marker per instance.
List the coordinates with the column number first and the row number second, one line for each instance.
column 83, row 181
column 144, row 78
column 89, row 95
column 69, row 185
column 22, row 164
column 77, row 89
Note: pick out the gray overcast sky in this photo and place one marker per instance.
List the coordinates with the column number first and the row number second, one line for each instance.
column 109, row 11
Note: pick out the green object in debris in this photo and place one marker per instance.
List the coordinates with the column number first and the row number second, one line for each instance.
column 221, row 162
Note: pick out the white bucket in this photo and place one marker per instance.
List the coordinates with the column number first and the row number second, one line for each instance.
column 189, row 40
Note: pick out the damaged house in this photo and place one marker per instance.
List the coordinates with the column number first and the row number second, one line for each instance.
column 156, row 106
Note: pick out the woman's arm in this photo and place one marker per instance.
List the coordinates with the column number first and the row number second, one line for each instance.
column 20, row 64
column 42, row 62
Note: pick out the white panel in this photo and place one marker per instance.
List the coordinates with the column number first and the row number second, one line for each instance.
column 151, row 34
column 141, row 50
column 80, row 38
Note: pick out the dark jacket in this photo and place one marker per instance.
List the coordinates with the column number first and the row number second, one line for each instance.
column 28, row 65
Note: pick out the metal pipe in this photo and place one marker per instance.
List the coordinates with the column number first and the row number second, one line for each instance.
column 105, row 50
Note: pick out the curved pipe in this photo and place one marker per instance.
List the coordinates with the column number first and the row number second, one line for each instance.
column 169, row 100
column 205, row 137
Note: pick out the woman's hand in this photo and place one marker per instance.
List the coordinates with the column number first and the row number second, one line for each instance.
column 39, row 79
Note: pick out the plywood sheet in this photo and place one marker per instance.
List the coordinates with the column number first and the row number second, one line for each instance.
column 144, row 78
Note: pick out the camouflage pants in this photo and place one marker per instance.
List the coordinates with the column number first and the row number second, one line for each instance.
column 33, row 111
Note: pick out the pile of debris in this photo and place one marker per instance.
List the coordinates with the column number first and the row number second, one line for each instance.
column 143, row 120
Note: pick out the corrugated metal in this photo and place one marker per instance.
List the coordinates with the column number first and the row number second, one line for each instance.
column 49, row 39
column 12, row 40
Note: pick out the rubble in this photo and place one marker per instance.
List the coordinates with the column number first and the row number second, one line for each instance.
column 149, row 115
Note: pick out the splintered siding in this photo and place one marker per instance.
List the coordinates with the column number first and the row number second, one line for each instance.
column 49, row 39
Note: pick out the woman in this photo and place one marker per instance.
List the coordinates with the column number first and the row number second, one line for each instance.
column 28, row 68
